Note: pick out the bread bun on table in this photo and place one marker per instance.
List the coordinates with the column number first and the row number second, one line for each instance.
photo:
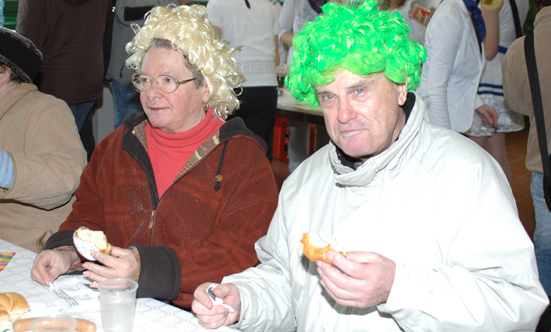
column 12, row 307
column 87, row 241
column 316, row 249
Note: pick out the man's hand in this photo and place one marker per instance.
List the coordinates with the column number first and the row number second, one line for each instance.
column 489, row 114
column 50, row 264
column 211, row 316
column 366, row 278
column 121, row 263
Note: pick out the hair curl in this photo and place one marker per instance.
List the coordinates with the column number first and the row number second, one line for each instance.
column 358, row 38
column 189, row 32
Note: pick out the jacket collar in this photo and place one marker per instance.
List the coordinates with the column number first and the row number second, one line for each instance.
column 14, row 96
column 231, row 128
column 391, row 160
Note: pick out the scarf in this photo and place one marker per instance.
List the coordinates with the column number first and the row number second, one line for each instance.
column 478, row 21
column 317, row 4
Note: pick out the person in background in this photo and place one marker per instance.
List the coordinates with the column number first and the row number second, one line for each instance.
column 500, row 33
column 252, row 26
column 70, row 34
column 294, row 14
column 516, row 88
column 127, row 12
column 455, row 61
column 181, row 194
column 281, row 48
column 1, row 13
column 411, row 204
column 405, row 7
column 41, row 156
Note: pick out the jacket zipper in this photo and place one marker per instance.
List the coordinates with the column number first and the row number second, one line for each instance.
column 151, row 223
column 154, row 212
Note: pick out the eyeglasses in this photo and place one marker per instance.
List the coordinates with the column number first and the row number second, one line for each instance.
column 167, row 84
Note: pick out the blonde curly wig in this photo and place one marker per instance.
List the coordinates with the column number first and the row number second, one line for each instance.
column 189, row 32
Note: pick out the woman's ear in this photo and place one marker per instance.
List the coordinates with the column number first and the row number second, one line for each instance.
column 206, row 93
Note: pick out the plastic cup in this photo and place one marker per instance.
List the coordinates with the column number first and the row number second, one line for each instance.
column 118, row 304
column 54, row 324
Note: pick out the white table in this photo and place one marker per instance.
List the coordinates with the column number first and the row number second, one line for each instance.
column 290, row 108
column 151, row 315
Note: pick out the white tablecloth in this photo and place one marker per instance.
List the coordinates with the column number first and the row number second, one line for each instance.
column 286, row 102
column 151, row 315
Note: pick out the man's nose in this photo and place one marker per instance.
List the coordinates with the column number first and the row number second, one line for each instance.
column 346, row 112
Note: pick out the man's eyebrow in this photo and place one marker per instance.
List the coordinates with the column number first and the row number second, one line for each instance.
column 321, row 92
column 360, row 84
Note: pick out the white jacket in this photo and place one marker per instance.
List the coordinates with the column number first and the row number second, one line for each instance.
column 452, row 71
column 437, row 205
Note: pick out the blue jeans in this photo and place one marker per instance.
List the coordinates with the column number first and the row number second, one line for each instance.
column 542, row 235
column 80, row 112
column 126, row 100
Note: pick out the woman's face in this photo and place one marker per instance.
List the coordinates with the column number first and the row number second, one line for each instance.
column 180, row 110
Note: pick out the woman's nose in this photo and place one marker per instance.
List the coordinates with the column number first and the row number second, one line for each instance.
column 154, row 91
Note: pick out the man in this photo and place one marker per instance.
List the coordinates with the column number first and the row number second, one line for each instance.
column 41, row 157
column 516, row 89
column 414, row 206
column 70, row 35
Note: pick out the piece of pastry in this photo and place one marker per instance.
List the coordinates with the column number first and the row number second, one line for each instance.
column 316, row 249
column 87, row 241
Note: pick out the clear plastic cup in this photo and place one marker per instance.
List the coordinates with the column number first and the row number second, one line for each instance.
column 118, row 304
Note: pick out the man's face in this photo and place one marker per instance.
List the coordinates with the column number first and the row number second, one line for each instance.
column 362, row 114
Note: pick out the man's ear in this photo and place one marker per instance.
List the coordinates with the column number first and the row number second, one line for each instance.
column 402, row 92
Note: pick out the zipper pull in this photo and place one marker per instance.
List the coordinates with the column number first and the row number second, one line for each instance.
column 152, row 219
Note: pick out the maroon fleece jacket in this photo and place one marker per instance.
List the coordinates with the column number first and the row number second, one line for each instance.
column 194, row 233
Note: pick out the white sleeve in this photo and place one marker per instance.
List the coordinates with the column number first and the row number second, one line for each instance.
column 287, row 16
column 275, row 18
column 442, row 41
column 214, row 14
column 266, row 303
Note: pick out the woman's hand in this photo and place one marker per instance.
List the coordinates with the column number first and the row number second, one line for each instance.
column 489, row 114
column 361, row 279
column 50, row 264
column 211, row 316
column 121, row 263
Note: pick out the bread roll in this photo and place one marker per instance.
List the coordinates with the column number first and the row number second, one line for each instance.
column 20, row 305
column 316, row 249
column 12, row 306
column 87, row 241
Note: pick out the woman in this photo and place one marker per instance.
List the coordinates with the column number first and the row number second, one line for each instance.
column 500, row 34
column 186, row 192
column 454, row 65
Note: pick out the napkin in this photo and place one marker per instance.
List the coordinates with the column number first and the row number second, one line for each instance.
column 5, row 258
column 74, row 293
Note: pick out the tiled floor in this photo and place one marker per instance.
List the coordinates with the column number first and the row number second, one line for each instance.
column 520, row 177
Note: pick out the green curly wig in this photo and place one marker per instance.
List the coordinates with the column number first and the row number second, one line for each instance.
column 358, row 38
